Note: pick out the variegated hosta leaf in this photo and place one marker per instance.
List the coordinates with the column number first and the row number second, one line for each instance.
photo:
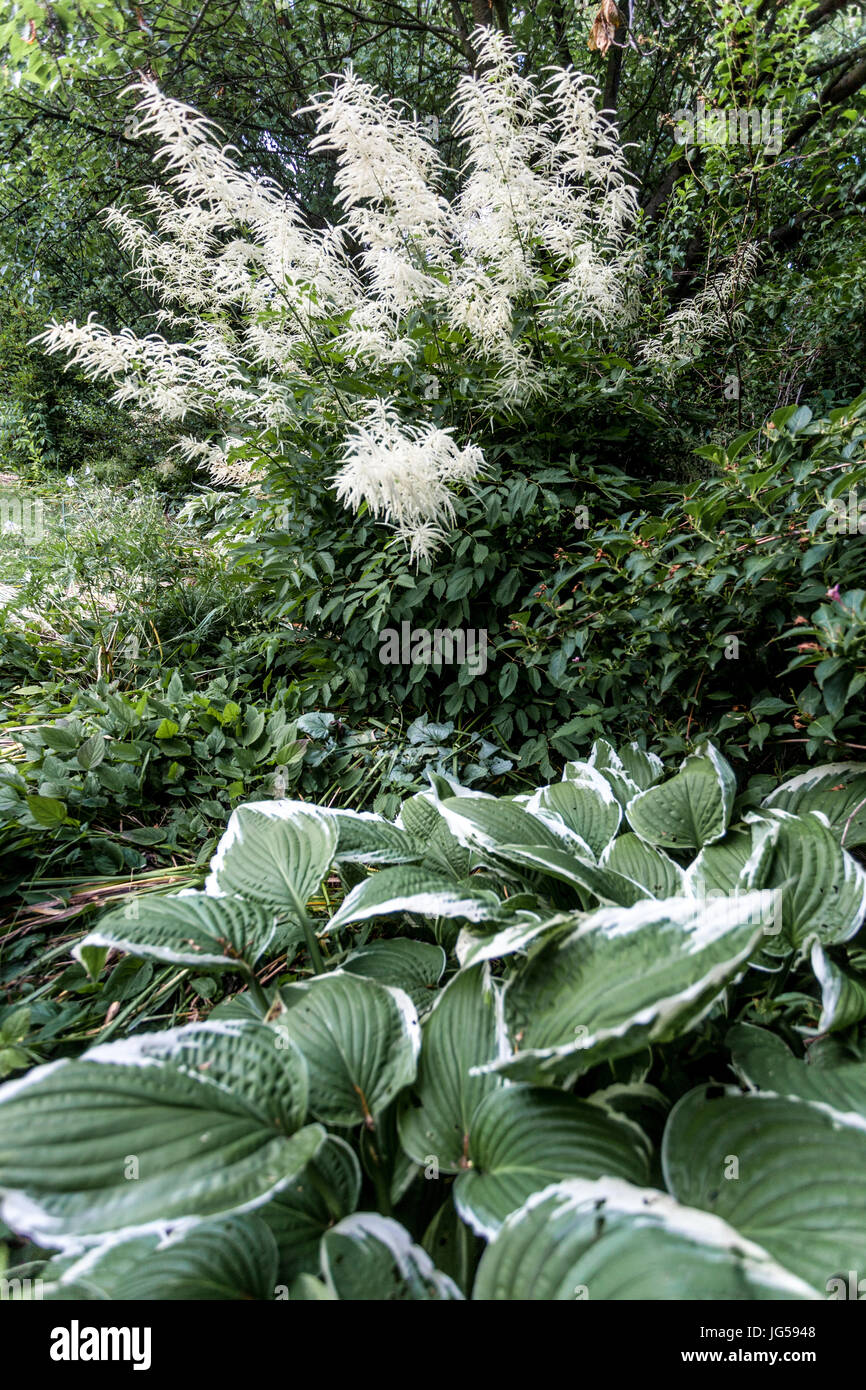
column 465, row 1029
column 608, row 1240
column 586, row 804
column 843, row 994
column 656, row 873
column 523, row 1138
column 625, row 977
column 368, row 1257
column 365, row 838
column 823, row 887
column 691, row 809
column 421, row 817
column 507, row 940
column 413, row 966
column 786, row 1173
column 486, row 824
column 327, row 1190
column 737, row 863
column 837, row 790
column 412, row 888
column 187, row 929
column 642, row 767
column 230, row 1259
column 601, row 883
column 360, row 1040
column 192, row 1122
column 275, row 852
column 763, row 1062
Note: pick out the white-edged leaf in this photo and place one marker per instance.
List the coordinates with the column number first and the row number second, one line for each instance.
column 413, row 966
column 838, row 790
column 843, row 994
column 327, row 1190
column 822, row 886
column 411, row 888
column 603, row 883
column 360, row 1040
column 654, row 870
column 365, row 838
column 586, row 804
column 523, row 1138
column 368, row 1257
column 691, row 809
column 609, row 1241
column 464, row 1029
column 623, row 978
column 274, row 852
column 205, row 1115
column 786, row 1173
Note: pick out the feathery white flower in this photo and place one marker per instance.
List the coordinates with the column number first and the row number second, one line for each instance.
column 712, row 313
column 404, row 474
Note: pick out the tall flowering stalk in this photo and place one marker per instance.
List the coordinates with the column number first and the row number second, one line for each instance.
column 272, row 326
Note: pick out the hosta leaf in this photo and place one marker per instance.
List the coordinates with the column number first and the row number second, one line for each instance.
column 411, row 888
column 485, row 824
column 371, row 1258
column 185, row 929
column 366, row 838
column 843, row 994
column 193, row 1122
column 608, row 1240
column 786, row 1173
column 823, row 888
column 275, row 852
column 413, row 966
column 523, row 1138
column 586, row 805
column 838, row 790
column 327, row 1190
column 360, row 1040
column 739, row 862
column 472, row 947
column 642, row 767
column 464, row 1029
column 689, row 810
column 625, row 977
column 656, row 873
column 230, row 1259
column 602, row 883
column 421, row 817
column 763, row 1062
column 452, row 1246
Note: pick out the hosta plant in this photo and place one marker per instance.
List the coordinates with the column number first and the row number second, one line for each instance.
column 600, row 1041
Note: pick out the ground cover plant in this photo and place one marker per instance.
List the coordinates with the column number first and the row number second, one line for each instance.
column 568, row 1061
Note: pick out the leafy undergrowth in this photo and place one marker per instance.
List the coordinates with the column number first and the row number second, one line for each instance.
column 601, row 1040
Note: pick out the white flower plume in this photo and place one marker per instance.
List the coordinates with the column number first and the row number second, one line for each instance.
column 714, row 312
column 404, row 474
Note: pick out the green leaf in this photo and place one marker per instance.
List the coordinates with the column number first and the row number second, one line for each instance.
column 185, row 929
column 522, row 1138
column 47, row 811
column 623, row 978
column 410, row 888
column 413, row 966
column 275, row 852
column 60, row 739
column 231, row 1259
column 606, row 885
column 369, row 839
column 91, row 752
column 464, row 1030
column 837, row 789
column 691, row 809
column 368, row 1257
column 360, row 1040
column 843, row 994
column 205, row 1115
column 486, row 824
column 763, row 1062
column 779, row 1170
column 823, row 887
column 609, row 1241
column 324, row 1192
column 656, row 873
column 587, row 805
